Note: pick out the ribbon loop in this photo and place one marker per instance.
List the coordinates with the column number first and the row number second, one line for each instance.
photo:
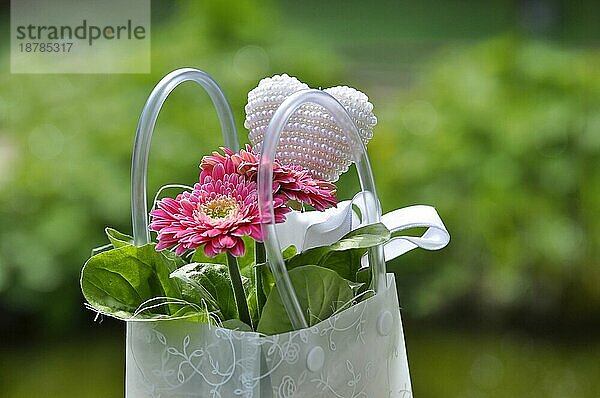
column 306, row 230
column 420, row 216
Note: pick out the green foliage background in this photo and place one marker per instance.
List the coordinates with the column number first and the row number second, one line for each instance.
column 66, row 143
column 504, row 138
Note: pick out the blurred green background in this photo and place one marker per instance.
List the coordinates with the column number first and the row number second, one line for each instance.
column 488, row 110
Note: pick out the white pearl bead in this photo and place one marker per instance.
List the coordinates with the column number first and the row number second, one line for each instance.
column 311, row 138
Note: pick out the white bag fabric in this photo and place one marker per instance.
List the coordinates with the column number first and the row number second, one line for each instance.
column 357, row 353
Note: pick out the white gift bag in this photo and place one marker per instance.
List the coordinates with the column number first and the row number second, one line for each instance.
column 358, row 352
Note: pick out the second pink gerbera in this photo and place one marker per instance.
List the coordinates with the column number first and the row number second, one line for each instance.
column 295, row 182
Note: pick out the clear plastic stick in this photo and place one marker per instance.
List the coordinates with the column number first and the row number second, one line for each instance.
column 141, row 147
column 265, row 193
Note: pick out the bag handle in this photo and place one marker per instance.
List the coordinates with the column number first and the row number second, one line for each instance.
column 145, row 128
column 372, row 209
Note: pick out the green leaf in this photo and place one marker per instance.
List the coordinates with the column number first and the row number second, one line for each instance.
column 190, row 294
column 246, row 262
column 194, row 291
column 310, row 256
column 363, row 275
column 236, row 324
column 118, row 239
column 362, row 285
column 118, row 281
column 321, row 292
column 363, row 237
column 346, row 263
column 289, row 252
column 200, row 257
column 190, row 313
column 267, row 280
column 252, row 304
column 344, row 256
column 212, row 282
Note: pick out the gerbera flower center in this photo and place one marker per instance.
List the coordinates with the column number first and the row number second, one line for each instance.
column 220, row 207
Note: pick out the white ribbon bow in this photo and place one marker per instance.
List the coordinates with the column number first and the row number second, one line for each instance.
column 306, row 230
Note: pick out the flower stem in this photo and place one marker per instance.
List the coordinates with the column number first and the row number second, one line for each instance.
column 261, row 258
column 238, row 289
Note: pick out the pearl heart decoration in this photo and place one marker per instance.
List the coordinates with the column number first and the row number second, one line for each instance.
column 311, row 138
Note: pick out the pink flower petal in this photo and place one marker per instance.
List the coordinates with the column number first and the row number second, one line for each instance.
column 230, row 179
column 239, row 249
column 210, row 250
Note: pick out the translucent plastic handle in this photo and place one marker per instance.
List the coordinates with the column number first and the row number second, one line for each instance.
column 141, row 147
column 265, row 193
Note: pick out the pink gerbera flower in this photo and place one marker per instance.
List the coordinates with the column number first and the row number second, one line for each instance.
column 294, row 182
column 221, row 209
